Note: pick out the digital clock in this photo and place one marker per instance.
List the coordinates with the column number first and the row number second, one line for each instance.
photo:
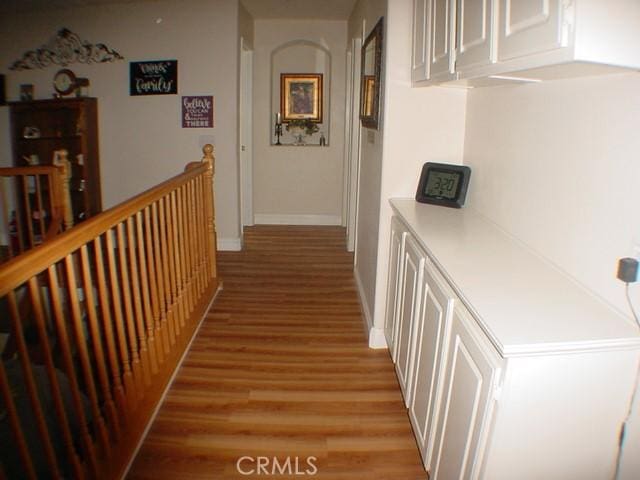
column 443, row 184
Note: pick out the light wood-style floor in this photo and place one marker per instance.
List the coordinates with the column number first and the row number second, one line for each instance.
column 281, row 368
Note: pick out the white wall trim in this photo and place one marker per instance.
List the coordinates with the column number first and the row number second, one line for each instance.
column 275, row 219
column 230, row 244
column 376, row 335
column 377, row 338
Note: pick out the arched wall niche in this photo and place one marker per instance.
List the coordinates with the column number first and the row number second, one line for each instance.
column 301, row 56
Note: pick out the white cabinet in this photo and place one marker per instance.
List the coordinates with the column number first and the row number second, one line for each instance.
column 474, row 33
column 395, row 275
column 532, row 26
column 471, row 376
column 507, row 373
column 486, row 42
column 431, row 332
column 409, row 300
column 441, row 40
column 419, row 59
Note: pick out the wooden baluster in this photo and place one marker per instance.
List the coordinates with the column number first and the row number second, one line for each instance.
column 28, row 213
column 183, row 251
column 96, row 337
column 60, row 318
column 56, row 393
column 209, row 159
column 129, row 373
column 6, row 217
column 82, row 351
column 31, row 387
column 146, row 353
column 153, row 298
column 193, row 237
column 146, row 291
column 202, row 232
column 139, row 374
column 61, row 160
column 39, row 214
column 165, row 264
column 178, row 320
column 107, row 324
column 14, row 423
column 174, row 248
column 162, row 277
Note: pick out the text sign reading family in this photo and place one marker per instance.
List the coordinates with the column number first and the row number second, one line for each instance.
column 157, row 77
column 197, row 112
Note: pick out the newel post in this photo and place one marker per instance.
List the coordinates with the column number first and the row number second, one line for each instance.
column 209, row 160
column 61, row 161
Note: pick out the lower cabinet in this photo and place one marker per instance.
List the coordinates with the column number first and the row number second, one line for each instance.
column 489, row 394
column 470, row 379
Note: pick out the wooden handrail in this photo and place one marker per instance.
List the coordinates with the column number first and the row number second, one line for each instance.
column 113, row 304
column 21, row 268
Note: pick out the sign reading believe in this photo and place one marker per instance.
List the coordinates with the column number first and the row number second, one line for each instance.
column 197, row 112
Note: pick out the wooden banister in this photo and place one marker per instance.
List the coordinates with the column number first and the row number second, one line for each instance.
column 114, row 302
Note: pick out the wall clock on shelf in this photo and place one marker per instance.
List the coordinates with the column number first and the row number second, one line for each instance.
column 64, row 82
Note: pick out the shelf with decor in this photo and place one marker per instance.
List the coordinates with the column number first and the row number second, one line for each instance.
column 41, row 127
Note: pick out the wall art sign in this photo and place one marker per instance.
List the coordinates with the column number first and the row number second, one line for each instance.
column 153, row 77
column 197, row 111
column 64, row 49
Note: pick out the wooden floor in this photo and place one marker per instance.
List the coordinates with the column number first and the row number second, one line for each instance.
column 281, row 368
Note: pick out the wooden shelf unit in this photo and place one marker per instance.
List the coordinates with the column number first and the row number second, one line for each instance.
column 70, row 124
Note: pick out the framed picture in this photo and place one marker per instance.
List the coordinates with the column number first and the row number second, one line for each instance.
column 301, row 96
column 153, row 77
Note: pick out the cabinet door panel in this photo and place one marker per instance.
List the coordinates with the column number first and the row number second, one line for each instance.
column 529, row 26
column 442, row 12
column 413, row 262
column 419, row 62
column 472, row 371
column 393, row 284
column 431, row 331
column 474, row 33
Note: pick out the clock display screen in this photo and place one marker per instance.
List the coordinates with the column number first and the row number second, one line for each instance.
column 442, row 184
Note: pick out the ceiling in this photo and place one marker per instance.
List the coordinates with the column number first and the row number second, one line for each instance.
column 259, row 9
column 311, row 9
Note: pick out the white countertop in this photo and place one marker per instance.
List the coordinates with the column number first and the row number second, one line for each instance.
column 524, row 304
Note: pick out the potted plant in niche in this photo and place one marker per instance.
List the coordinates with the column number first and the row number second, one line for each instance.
column 301, row 128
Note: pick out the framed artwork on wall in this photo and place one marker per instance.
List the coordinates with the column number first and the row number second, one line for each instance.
column 301, row 96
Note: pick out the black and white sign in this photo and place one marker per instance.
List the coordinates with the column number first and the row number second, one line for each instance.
column 155, row 77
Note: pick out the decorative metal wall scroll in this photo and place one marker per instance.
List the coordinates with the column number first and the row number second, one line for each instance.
column 64, row 49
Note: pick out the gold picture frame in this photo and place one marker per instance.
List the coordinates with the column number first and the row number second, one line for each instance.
column 301, row 97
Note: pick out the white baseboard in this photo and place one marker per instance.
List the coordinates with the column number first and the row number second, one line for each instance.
column 377, row 338
column 229, row 244
column 274, row 219
column 376, row 335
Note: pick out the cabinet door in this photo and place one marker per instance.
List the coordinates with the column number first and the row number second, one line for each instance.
column 410, row 289
column 470, row 379
column 529, row 26
column 432, row 332
column 396, row 246
column 474, row 33
column 419, row 61
column 441, row 49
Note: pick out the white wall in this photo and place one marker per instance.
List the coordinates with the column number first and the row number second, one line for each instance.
column 418, row 125
column 297, row 184
column 556, row 165
column 141, row 139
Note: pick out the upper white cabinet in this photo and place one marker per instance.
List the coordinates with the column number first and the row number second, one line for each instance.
column 532, row 26
column 479, row 42
column 419, row 61
column 474, row 33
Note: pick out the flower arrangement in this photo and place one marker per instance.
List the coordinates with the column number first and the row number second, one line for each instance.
column 308, row 126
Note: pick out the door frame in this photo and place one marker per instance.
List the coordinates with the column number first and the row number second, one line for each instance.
column 352, row 143
column 245, row 146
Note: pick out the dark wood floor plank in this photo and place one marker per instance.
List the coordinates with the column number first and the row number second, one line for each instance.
column 281, row 368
